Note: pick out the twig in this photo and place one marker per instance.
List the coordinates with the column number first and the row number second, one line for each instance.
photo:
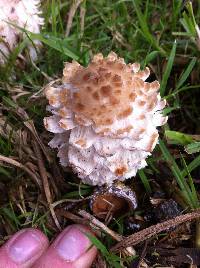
column 45, row 181
column 48, row 78
column 30, row 125
column 6, row 129
column 197, row 235
column 72, row 12
column 143, row 254
column 153, row 230
column 19, row 165
column 72, row 216
column 99, row 224
column 82, row 17
column 68, row 200
column 40, row 93
column 94, row 223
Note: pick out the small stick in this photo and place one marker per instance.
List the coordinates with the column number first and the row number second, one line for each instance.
column 82, row 16
column 30, row 125
column 19, row 165
column 99, row 224
column 56, row 203
column 72, row 12
column 147, row 233
column 45, row 181
column 71, row 216
column 197, row 236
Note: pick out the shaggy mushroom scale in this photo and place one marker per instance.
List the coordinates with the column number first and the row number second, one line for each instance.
column 18, row 13
column 104, row 118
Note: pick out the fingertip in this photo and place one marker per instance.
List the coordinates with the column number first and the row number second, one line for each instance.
column 26, row 236
column 73, row 243
column 86, row 260
column 72, row 248
column 24, row 248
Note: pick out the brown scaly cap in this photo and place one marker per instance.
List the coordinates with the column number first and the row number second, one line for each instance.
column 106, row 88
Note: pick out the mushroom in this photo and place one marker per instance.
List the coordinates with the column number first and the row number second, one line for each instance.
column 22, row 13
column 104, row 118
column 114, row 200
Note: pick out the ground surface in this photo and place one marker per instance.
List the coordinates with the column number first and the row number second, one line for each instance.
column 36, row 191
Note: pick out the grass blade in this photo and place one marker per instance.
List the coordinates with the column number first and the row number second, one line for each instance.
column 175, row 137
column 145, row 181
column 168, row 70
column 194, row 164
column 193, row 148
column 54, row 42
column 185, row 188
column 192, row 187
column 186, row 73
column 145, row 28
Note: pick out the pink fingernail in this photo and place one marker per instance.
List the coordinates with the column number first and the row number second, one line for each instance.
column 73, row 244
column 24, row 247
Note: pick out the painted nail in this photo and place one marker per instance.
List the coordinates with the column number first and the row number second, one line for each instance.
column 73, row 244
column 24, row 247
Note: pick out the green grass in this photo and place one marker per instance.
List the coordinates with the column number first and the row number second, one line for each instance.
column 187, row 187
column 161, row 34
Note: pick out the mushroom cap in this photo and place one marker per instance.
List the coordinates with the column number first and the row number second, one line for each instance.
column 22, row 13
column 111, row 115
column 116, row 199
